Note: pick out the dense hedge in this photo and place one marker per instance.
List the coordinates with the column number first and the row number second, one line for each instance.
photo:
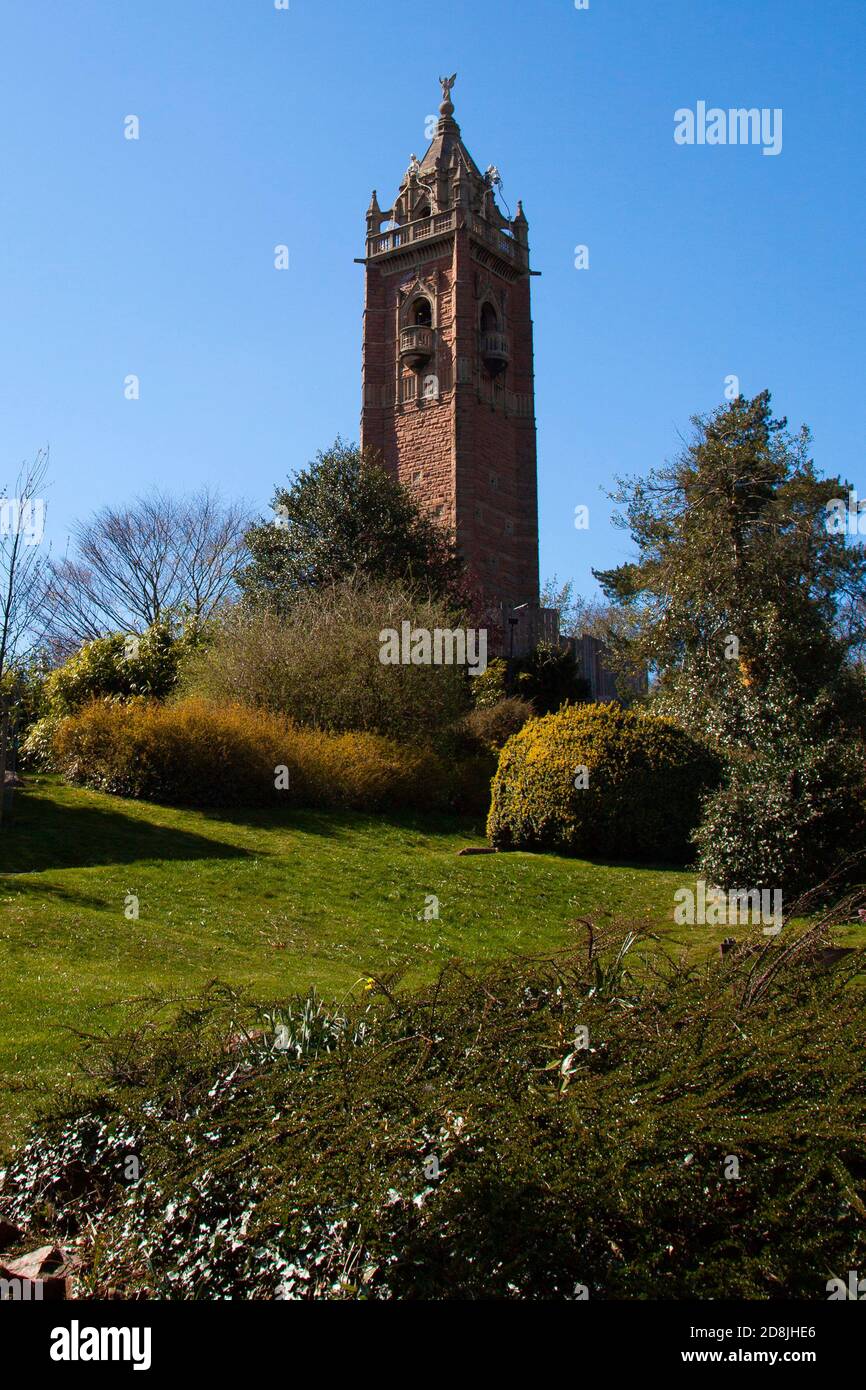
column 645, row 778
column 702, row 1139
column 196, row 754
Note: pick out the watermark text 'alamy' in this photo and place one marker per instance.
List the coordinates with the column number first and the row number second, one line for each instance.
column 418, row 646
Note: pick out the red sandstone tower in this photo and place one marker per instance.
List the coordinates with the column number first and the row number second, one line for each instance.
column 448, row 398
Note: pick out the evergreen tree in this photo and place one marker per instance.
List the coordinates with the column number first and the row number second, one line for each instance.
column 346, row 517
column 740, row 580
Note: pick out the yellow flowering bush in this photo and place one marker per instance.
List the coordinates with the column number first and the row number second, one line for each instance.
column 598, row 780
column 199, row 754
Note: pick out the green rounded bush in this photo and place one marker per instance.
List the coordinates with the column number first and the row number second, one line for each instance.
column 121, row 666
column 598, row 780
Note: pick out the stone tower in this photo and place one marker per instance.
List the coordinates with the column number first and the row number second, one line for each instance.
column 448, row 398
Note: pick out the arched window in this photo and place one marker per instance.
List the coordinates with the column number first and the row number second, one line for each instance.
column 489, row 318
column 423, row 210
column 422, row 313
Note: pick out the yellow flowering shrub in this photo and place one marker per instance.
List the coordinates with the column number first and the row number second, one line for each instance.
column 198, row 754
column 598, row 780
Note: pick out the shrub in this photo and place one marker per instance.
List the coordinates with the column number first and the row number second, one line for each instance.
column 318, row 663
column 645, row 781
column 120, row 667
column 471, row 775
column 785, row 817
column 474, row 744
column 294, row 1162
column 22, row 689
column 491, row 687
column 488, row 728
column 547, row 678
column 195, row 754
column 37, row 747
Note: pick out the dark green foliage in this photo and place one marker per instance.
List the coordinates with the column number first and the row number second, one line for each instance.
column 345, row 517
column 306, row 1172
column 644, row 781
column 790, row 810
column 733, row 542
column 547, row 677
column 750, row 607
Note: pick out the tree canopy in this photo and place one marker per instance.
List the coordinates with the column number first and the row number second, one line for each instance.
column 739, row 580
column 342, row 517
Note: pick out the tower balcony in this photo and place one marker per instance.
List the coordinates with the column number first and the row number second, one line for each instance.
column 441, row 225
column 397, row 238
column 495, row 352
column 501, row 240
column 417, row 344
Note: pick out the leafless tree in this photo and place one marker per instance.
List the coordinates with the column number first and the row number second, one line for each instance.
column 23, row 564
column 23, row 560
column 135, row 564
column 577, row 615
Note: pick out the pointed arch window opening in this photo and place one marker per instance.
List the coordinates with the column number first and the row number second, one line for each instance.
column 489, row 318
column 493, row 342
column 417, row 334
column 421, row 314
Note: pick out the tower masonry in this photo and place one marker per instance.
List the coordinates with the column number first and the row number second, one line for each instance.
column 448, row 394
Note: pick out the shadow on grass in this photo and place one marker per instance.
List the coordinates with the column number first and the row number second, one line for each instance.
column 37, row 888
column 336, row 824
column 48, row 834
column 655, row 866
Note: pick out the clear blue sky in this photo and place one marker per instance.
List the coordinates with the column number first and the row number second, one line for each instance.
column 261, row 127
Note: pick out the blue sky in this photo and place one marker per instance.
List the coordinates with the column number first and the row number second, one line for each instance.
column 260, row 127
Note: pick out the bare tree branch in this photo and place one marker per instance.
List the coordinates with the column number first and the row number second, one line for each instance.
column 23, row 560
column 135, row 564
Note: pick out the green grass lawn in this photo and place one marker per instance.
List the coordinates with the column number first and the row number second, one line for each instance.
column 273, row 900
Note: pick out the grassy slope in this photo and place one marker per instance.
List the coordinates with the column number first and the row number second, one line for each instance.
column 274, row 900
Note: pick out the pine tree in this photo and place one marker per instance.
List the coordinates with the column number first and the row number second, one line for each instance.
column 740, row 581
